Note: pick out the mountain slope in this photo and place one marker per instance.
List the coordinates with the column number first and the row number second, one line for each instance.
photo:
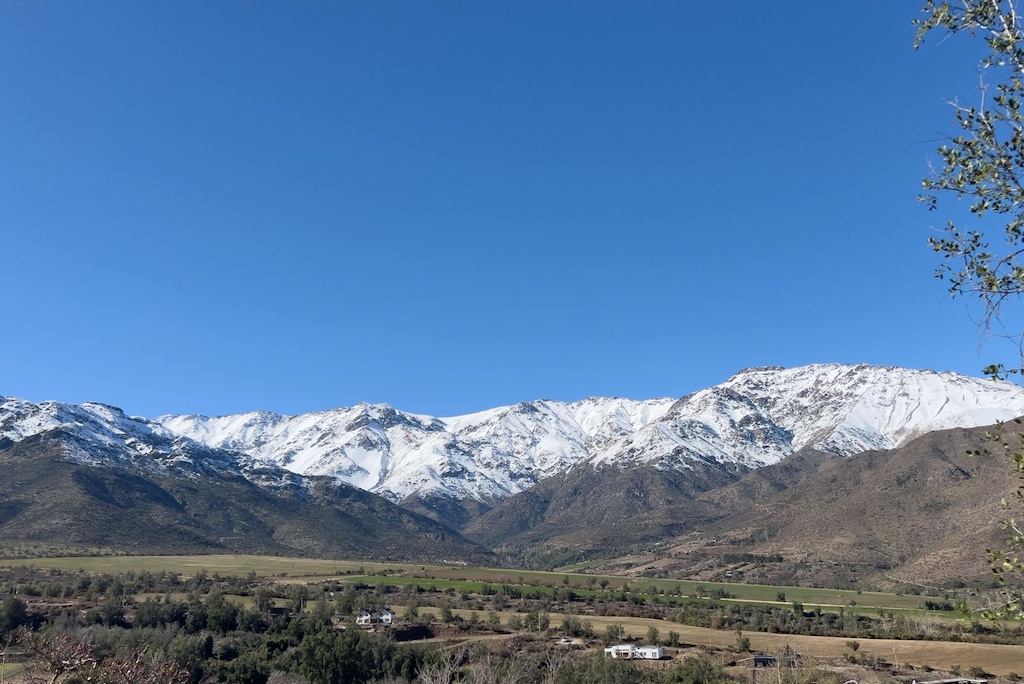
column 601, row 511
column 922, row 513
column 90, row 476
column 47, row 497
column 927, row 509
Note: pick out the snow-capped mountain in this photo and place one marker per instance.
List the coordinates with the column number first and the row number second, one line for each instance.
column 757, row 417
column 89, row 475
column 761, row 415
column 484, row 456
column 98, row 434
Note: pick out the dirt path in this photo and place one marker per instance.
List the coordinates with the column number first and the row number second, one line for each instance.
column 460, row 640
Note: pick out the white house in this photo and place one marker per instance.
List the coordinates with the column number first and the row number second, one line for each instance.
column 368, row 620
column 620, row 651
column 650, row 652
column 631, row 652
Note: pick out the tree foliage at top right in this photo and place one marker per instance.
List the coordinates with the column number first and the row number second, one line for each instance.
column 983, row 164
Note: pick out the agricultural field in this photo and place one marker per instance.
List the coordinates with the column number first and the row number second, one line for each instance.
column 305, row 568
column 470, row 578
column 643, row 589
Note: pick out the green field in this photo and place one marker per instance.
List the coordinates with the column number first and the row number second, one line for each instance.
column 477, row 587
column 468, row 578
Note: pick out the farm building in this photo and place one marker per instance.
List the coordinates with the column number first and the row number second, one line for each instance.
column 631, row 652
column 761, row 660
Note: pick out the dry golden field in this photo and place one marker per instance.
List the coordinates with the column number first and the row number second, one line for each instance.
column 941, row 655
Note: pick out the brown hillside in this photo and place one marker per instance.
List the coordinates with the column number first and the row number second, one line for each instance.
column 48, row 499
column 927, row 509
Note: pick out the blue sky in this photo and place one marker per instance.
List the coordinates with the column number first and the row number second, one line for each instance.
column 218, row 207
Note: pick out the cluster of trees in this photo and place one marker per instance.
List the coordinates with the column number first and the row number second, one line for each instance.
column 87, row 586
column 164, row 645
column 796, row 620
column 734, row 558
column 178, row 637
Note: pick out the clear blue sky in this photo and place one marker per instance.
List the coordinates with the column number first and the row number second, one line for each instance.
column 446, row 206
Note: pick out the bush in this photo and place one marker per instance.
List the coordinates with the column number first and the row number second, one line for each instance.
column 600, row 670
column 221, row 615
column 12, row 615
column 698, row 670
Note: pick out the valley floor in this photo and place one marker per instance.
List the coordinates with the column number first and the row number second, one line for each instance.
column 944, row 655
column 298, row 569
column 238, row 599
column 941, row 655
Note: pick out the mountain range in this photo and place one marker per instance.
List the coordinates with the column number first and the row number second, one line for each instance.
column 510, row 477
column 456, row 468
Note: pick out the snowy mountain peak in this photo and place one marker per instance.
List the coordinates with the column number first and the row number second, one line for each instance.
column 761, row 415
column 100, row 434
column 756, row 417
